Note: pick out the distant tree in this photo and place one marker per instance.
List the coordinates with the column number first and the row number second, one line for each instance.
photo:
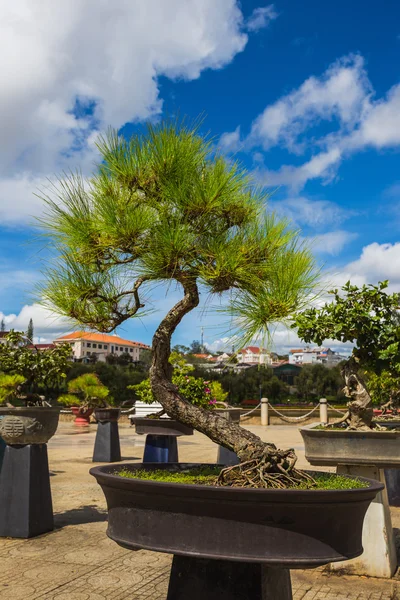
column 196, row 347
column 318, row 381
column 124, row 359
column 93, row 357
column 114, row 377
column 181, row 349
column 2, row 325
column 30, row 331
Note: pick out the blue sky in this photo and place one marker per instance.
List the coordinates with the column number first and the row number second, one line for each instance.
column 306, row 94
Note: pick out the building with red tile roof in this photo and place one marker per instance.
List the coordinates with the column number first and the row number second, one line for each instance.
column 85, row 343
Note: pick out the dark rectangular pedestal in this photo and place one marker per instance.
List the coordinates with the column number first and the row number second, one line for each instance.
column 204, row 579
column 107, row 446
column 26, row 508
column 160, row 449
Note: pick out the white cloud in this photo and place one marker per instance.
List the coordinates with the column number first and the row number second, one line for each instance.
column 319, row 166
column 229, row 142
column 380, row 125
column 332, row 242
column 72, row 66
column 47, row 326
column 377, row 263
column 341, row 93
column 343, row 100
column 313, row 213
column 261, row 17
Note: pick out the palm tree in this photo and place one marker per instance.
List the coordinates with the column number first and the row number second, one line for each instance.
column 165, row 207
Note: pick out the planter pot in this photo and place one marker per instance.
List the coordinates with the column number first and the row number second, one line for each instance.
column 163, row 426
column 26, row 508
column 82, row 417
column 107, row 414
column 389, row 424
column 106, row 446
column 161, row 445
column 32, row 425
column 286, row 529
column 362, row 453
column 327, row 447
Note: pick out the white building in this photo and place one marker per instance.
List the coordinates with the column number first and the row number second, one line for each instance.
column 85, row 344
column 313, row 356
column 254, row 355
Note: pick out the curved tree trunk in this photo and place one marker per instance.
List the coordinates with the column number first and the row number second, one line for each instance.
column 360, row 405
column 230, row 435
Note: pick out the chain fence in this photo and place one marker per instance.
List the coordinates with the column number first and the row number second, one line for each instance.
column 293, row 419
column 250, row 411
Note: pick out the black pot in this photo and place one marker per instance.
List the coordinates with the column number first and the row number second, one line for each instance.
column 103, row 415
column 162, row 426
column 287, row 528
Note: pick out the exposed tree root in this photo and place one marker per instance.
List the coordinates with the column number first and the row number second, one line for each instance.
column 275, row 470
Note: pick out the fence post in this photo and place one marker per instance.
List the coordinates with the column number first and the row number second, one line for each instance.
column 323, row 411
column 264, row 411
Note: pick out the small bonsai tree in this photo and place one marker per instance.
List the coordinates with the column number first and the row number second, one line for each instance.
column 163, row 207
column 86, row 391
column 29, row 375
column 366, row 317
column 10, row 388
column 196, row 390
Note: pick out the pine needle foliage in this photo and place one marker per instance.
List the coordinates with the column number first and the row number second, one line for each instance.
column 164, row 206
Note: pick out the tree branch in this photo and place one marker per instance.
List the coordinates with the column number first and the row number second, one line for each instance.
column 217, row 428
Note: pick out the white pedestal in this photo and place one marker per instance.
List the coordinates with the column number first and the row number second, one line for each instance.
column 379, row 557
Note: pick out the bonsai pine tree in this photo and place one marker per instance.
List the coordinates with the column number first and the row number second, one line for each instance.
column 164, row 207
column 367, row 317
column 86, row 391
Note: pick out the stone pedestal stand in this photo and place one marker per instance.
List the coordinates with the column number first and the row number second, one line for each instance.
column 392, row 477
column 379, row 558
column 26, row 508
column 106, row 446
column 227, row 457
column 161, row 438
column 160, row 449
column 201, row 579
column 363, row 454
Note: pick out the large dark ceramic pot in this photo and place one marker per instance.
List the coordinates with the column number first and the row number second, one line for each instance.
column 216, row 527
column 106, row 446
column 26, row 508
column 161, row 438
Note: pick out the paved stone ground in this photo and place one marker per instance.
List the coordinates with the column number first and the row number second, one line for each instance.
column 78, row 561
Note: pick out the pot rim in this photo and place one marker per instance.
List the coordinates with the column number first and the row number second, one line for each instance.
column 106, row 474
column 342, row 432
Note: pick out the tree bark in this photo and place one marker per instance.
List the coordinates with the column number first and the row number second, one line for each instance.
column 230, row 435
column 360, row 405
